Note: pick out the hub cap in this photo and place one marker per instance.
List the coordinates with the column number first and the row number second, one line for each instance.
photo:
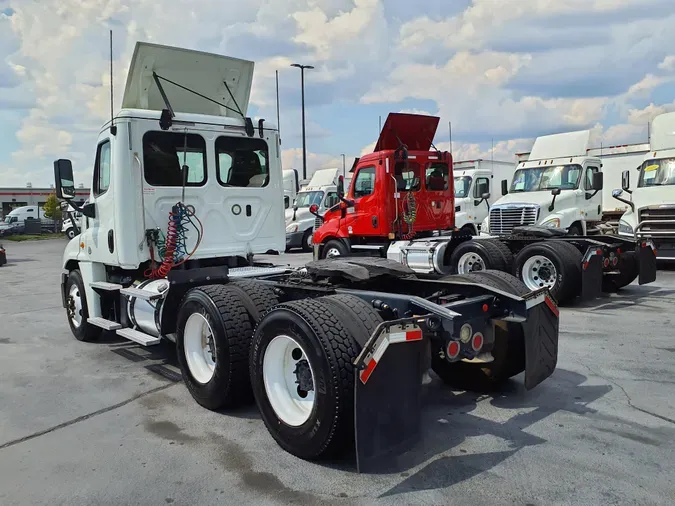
column 539, row 272
column 75, row 306
column 200, row 348
column 289, row 380
column 332, row 253
column 470, row 262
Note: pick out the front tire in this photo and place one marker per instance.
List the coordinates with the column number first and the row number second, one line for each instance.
column 307, row 245
column 78, row 310
column 320, row 368
column 334, row 248
column 70, row 233
column 213, row 340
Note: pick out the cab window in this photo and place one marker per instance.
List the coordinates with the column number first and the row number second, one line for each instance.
column 589, row 176
column 165, row 153
column 331, row 200
column 242, row 162
column 364, row 183
column 482, row 186
column 407, row 178
column 437, row 177
column 102, row 169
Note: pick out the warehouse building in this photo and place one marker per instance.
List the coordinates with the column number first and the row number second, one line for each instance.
column 11, row 198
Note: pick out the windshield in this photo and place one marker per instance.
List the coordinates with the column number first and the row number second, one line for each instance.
column 657, row 173
column 306, row 199
column 565, row 177
column 462, row 186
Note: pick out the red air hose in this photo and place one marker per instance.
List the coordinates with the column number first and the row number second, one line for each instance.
column 169, row 248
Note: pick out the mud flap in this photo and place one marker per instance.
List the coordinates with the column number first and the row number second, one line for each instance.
column 647, row 262
column 541, row 342
column 387, row 396
column 591, row 275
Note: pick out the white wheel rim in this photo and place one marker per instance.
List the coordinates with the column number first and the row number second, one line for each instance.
column 75, row 309
column 283, row 357
column 539, row 272
column 309, row 240
column 470, row 262
column 200, row 348
column 71, row 234
column 332, row 253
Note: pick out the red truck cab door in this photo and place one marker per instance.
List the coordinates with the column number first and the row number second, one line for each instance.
column 364, row 218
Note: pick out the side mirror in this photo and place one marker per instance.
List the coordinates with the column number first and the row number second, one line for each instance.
column 505, row 187
column 597, row 181
column 617, row 193
column 314, row 209
column 556, row 191
column 63, row 177
column 485, row 196
column 341, row 187
column 625, row 179
column 89, row 210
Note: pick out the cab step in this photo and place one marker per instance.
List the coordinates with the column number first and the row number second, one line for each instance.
column 139, row 337
column 139, row 293
column 104, row 324
column 104, row 285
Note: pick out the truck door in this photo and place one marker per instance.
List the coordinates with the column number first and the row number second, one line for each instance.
column 481, row 186
column 593, row 207
column 99, row 236
column 365, row 218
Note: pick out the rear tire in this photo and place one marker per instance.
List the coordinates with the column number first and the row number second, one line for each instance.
column 468, row 229
column 629, row 269
column 257, row 297
column 476, row 255
column 325, row 344
column 505, row 252
column 78, row 310
column 575, row 229
column 508, row 350
column 218, row 310
column 533, row 266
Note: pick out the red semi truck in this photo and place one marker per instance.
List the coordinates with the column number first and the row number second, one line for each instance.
column 401, row 206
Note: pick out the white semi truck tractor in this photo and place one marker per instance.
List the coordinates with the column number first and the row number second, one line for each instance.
column 186, row 190
column 651, row 202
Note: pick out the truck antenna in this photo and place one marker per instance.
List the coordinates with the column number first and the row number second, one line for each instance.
column 113, row 128
column 278, row 120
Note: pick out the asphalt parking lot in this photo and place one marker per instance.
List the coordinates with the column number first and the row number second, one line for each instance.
column 111, row 422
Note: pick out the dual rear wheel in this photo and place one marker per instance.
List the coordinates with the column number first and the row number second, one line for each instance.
column 297, row 364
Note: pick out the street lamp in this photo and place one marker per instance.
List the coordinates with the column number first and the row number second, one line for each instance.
column 302, row 86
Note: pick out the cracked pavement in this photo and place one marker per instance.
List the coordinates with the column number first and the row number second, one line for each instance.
column 111, row 423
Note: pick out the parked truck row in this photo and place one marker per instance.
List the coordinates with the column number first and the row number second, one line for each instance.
column 546, row 229
column 333, row 353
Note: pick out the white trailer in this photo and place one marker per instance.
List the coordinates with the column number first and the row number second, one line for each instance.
column 473, row 179
column 186, row 190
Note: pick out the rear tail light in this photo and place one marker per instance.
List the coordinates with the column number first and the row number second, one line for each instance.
column 615, row 261
column 606, row 262
column 477, row 341
column 453, row 349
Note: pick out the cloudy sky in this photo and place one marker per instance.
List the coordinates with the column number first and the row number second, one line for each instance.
column 506, row 70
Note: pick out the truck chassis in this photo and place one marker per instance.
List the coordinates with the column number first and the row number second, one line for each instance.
column 338, row 325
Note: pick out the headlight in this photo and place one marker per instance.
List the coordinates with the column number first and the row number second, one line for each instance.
column 625, row 228
column 292, row 228
column 552, row 223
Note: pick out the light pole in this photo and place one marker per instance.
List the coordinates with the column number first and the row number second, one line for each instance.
column 302, row 87
column 343, row 166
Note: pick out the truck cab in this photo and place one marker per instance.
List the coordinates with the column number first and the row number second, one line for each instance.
column 320, row 191
column 651, row 212
column 473, row 179
column 400, row 191
column 559, row 187
column 291, row 186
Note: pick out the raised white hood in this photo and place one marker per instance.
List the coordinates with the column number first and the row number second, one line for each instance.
column 204, row 73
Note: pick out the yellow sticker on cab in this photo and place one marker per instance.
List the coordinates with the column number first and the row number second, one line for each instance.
column 650, row 168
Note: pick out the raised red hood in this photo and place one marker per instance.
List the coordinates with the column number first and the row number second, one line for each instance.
column 414, row 130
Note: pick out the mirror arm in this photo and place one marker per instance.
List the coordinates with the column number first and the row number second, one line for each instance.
column 589, row 196
column 552, row 206
column 627, row 202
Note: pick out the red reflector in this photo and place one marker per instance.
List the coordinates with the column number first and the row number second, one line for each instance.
column 654, row 252
column 365, row 374
column 413, row 335
column 644, row 244
column 485, row 308
column 477, row 342
column 598, row 252
column 585, row 265
column 551, row 305
column 453, row 349
column 618, row 251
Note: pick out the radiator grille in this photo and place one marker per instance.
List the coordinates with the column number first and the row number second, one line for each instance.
column 504, row 219
column 317, row 222
column 665, row 215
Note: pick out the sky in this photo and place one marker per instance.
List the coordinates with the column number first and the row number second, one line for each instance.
column 502, row 71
